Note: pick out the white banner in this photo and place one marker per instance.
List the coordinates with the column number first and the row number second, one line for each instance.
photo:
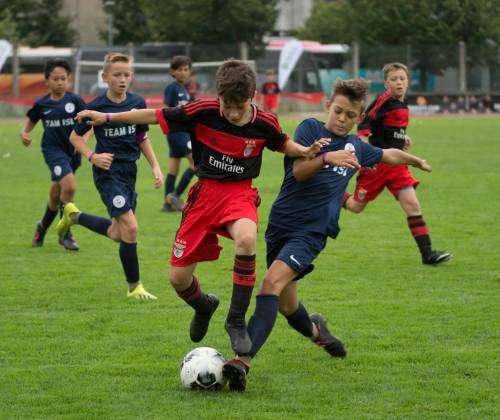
column 289, row 57
column 5, row 51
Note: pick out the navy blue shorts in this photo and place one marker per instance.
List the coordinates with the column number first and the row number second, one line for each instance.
column 61, row 164
column 296, row 249
column 117, row 187
column 179, row 145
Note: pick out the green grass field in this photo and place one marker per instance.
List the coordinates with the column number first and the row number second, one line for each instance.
column 422, row 342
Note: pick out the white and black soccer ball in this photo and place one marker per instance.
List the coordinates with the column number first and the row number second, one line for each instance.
column 201, row 369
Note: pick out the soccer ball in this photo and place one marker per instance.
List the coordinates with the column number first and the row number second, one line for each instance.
column 201, row 369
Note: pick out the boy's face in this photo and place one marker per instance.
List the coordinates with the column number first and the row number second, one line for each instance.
column 236, row 113
column 118, row 77
column 58, row 81
column 343, row 114
column 270, row 77
column 181, row 74
column 397, row 83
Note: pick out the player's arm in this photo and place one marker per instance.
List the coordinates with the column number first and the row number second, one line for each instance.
column 293, row 149
column 304, row 169
column 137, row 116
column 101, row 160
column 147, row 150
column 398, row 157
column 24, row 133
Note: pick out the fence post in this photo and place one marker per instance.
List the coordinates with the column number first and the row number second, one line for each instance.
column 243, row 51
column 355, row 58
column 462, row 70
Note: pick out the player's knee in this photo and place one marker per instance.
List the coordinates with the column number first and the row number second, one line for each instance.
column 178, row 280
column 287, row 308
column 246, row 243
column 68, row 190
column 273, row 284
column 412, row 207
column 129, row 231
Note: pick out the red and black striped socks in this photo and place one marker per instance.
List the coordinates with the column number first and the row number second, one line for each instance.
column 194, row 297
column 420, row 232
column 243, row 283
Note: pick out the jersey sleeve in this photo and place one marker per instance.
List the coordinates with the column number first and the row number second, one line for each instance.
column 276, row 138
column 169, row 97
column 34, row 113
column 142, row 128
column 79, row 104
column 370, row 155
column 179, row 119
column 83, row 127
column 305, row 134
column 364, row 128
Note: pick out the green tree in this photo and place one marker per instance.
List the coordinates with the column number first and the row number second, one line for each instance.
column 130, row 23
column 431, row 30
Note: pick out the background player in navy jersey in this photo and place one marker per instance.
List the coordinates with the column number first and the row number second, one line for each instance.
column 385, row 126
column 56, row 111
column 306, row 213
column 229, row 135
column 179, row 143
column 118, row 147
column 270, row 92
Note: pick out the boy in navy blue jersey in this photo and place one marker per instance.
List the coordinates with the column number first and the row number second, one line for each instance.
column 179, row 143
column 114, row 169
column 306, row 213
column 57, row 111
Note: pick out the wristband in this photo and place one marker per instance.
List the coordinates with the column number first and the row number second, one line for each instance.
column 323, row 158
column 90, row 155
column 107, row 117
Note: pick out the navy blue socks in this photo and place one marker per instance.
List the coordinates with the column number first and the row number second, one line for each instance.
column 301, row 322
column 262, row 321
column 130, row 262
column 94, row 223
column 184, row 182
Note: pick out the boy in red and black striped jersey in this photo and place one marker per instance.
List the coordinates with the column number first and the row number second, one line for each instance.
column 384, row 126
column 228, row 137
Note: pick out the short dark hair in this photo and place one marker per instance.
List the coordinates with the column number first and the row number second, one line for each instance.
column 235, row 81
column 179, row 61
column 353, row 89
column 390, row 67
column 52, row 63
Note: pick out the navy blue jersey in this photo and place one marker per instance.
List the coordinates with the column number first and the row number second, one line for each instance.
column 58, row 120
column 314, row 205
column 117, row 138
column 175, row 94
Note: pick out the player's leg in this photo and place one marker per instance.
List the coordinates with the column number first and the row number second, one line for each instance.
column 183, row 184
column 174, row 162
column 128, row 227
column 188, row 289
column 408, row 201
column 244, row 233
column 72, row 216
column 48, row 217
column 67, row 186
column 369, row 184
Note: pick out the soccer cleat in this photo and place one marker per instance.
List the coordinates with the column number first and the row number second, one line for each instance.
column 175, row 202
column 140, row 293
column 167, row 208
column 65, row 223
column 235, row 373
column 436, row 257
column 68, row 242
column 332, row 345
column 38, row 237
column 238, row 334
column 199, row 324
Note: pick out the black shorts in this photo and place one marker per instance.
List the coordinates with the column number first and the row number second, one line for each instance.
column 117, row 187
column 179, row 144
column 296, row 249
column 60, row 163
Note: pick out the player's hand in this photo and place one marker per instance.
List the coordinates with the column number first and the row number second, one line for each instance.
column 158, row 176
column 25, row 138
column 408, row 143
column 102, row 160
column 91, row 117
column 344, row 158
column 315, row 149
column 423, row 165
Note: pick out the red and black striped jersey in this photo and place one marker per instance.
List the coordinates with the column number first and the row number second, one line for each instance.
column 385, row 122
column 270, row 88
column 221, row 150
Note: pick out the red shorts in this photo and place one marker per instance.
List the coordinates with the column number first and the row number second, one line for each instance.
column 209, row 206
column 370, row 183
column 270, row 102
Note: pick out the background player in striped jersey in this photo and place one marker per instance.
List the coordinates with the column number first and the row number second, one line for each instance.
column 384, row 126
column 229, row 135
column 57, row 111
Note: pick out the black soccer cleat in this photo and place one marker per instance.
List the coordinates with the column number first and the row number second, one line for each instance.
column 235, row 373
column 436, row 257
column 332, row 345
column 238, row 334
column 199, row 324
column 68, row 242
column 167, row 208
column 39, row 236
